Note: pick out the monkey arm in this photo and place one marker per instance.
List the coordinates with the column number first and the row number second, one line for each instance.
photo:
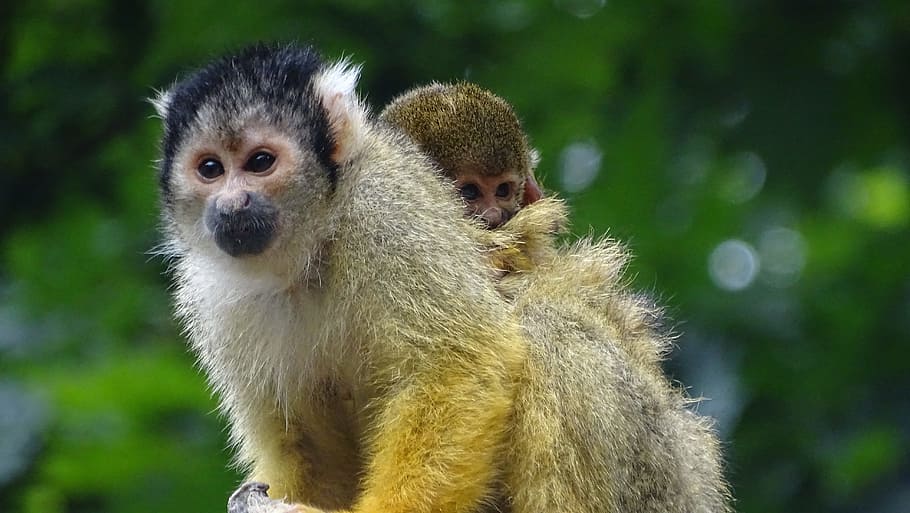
column 527, row 240
column 435, row 444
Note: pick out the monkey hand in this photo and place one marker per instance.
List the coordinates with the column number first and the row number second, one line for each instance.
column 541, row 221
column 527, row 240
column 252, row 498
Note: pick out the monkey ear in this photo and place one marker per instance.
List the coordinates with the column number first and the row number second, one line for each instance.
column 534, row 156
column 334, row 87
column 161, row 102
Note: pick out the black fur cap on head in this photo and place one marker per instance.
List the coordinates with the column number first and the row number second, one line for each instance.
column 276, row 77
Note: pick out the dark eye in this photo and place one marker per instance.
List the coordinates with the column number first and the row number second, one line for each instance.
column 503, row 190
column 260, row 162
column 210, row 169
column 469, row 192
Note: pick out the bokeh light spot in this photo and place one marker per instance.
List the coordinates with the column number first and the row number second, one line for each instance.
column 581, row 8
column 879, row 197
column 579, row 164
column 745, row 178
column 783, row 255
column 733, row 265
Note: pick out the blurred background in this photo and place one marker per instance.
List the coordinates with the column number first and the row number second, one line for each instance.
column 753, row 154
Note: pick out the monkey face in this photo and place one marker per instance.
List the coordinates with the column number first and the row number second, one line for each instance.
column 237, row 181
column 246, row 186
column 493, row 199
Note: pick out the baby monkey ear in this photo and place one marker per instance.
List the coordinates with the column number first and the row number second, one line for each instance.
column 334, row 86
column 533, row 157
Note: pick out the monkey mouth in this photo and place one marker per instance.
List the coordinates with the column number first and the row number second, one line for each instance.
column 491, row 221
column 243, row 241
column 242, row 233
column 242, row 228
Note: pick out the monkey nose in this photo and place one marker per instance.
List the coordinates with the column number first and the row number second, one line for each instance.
column 229, row 203
column 494, row 217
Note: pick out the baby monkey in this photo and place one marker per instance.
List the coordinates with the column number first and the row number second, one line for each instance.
column 475, row 137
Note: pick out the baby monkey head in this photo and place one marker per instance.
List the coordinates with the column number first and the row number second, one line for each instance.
column 252, row 147
column 476, row 138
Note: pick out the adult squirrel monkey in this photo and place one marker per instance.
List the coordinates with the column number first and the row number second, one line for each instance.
column 351, row 326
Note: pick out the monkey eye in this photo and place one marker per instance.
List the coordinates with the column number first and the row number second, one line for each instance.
column 469, row 192
column 503, row 190
column 259, row 162
column 210, row 169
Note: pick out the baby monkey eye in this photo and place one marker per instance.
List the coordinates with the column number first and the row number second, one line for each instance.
column 503, row 190
column 469, row 192
column 260, row 162
column 210, row 169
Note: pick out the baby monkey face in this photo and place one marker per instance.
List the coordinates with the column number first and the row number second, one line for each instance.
column 492, row 198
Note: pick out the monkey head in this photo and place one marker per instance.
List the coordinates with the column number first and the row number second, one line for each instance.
column 251, row 150
column 475, row 137
column 493, row 197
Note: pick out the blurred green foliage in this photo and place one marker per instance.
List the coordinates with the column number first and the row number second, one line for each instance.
column 754, row 154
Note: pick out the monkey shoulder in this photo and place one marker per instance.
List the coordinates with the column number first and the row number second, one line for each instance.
column 406, row 228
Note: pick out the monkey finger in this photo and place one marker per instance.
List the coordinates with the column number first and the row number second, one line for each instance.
column 252, row 497
column 247, row 495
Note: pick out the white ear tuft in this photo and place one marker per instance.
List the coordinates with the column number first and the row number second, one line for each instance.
column 161, row 102
column 335, row 88
column 534, row 157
